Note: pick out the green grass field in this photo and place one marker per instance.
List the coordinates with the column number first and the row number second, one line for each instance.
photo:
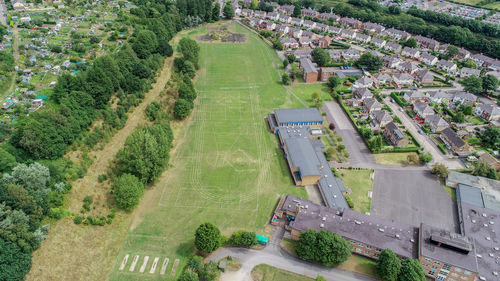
column 360, row 183
column 264, row 272
column 305, row 91
column 226, row 167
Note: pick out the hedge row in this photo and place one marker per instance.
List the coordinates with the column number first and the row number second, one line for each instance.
column 402, row 149
column 398, row 100
column 413, row 138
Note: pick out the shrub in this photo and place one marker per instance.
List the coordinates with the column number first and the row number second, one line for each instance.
column 244, row 238
column 102, row 177
column 182, row 108
column 207, row 238
column 128, row 191
column 349, row 202
column 78, row 219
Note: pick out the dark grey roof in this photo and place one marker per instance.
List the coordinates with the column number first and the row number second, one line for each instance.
column 296, row 115
column 453, row 137
column 307, row 65
column 469, row 194
column 302, row 156
column 429, row 248
column 371, row 230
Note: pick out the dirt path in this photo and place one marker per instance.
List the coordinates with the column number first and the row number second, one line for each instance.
column 15, row 49
column 88, row 253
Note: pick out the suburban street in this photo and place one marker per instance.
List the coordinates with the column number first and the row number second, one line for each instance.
column 424, row 140
column 273, row 255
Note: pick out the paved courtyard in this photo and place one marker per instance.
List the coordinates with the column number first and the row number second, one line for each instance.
column 412, row 197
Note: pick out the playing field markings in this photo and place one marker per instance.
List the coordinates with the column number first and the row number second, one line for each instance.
column 144, row 263
column 153, row 266
column 124, row 262
column 174, row 267
column 164, row 266
column 134, row 262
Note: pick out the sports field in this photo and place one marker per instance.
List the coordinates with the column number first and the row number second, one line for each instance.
column 226, row 167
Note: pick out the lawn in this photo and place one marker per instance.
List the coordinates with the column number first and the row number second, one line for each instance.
column 360, row 183
column 392, row 158
column 360, row 265
column 451, row 191
column 264, row 272
column 476, row 120
column 304, row 92
column 226, row 167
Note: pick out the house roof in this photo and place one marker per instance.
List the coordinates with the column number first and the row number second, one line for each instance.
column 307, row 65
column 381, row 115
column 436, row 120
column 371, row 103
column 453, row 137
column 296, row 115
column 470, row 71
column 446, row 63
column 395, row 131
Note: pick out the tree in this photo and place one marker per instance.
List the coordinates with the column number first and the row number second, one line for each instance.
column 411, row 42
column 228, row 11
column 467, row 110
column 452, row 51
column 15, row 263
column 189, row 275
column 145, row 43
column 333, row 82
column 244, row 238
column 375, row 143
column 369, row 61
column 195, row 263
column 207, row 238
column 297, row 13
column 472, row 84
column 388, row 265
column 482, row 169
column 491, row 136
column 341, row 250
column 470, row 64
column 255, row 4
column 320, row 56
column 459, row 117
column 320, row 278
column 182, row 108
column 295, row 71
column 412, row 159
column 190, row 50
column 411, row 270
column 395, row 10
column 164, row 48
column 128, row 191
column 285, row 79
column 7, row 161
column 216, row 11
column 209, row 271
column 285, row 63
column 440, row 170
column 277, row 45
column 490, row 83
column 306, row 246
column 99, row 86
column 425, row 157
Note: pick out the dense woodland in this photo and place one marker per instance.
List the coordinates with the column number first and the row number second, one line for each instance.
column 36, row 176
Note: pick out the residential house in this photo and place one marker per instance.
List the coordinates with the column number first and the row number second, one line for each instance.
column 395, row 136
column 448, row 66
column 309, row 34
column 302, row 54
column 371, row 104
column 350, row 22
column 305, row 42
column 463, row 54
column 381, row 117
column 424, row 77
column 287, row 9
column 427, row 42
column 289, row 43
column 360, row 37
column 422, row 109
column 362, row 93
column 402, row 79
column 407, row 67
column 414, row 97
column 353, row 102
column 463, row 98
column 297, row 21
column 281, row 29
column 373, row 27
column 480, row 59
column 351, row 54
column 377, row 42
column 436, row 123
column 273, row 16
column 309, row 12
column 392, row 47
column 397, row 34
column 269, row 25
column 439, row 97
column 309, row 24
column 322, row 27
column 260, row 14
column 336, row 55
column 348, row 34
column 326, row 72
column 428, row 59
column 411, row 52
column 334, row 30
column 490, row 161
column 391, row 61
column 365, row 82
column 294, row 32
column 454, row 142
column 246, row 12
column 328, row 16
column 487, row 111
column 285, row 19
column 466, row 71
column 309, row 71
column 382, row 79
column 443, row 48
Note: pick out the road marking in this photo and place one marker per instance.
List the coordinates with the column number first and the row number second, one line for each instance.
column 164, row 266
column 144, row 263
column 124, row 262
column 153, row 267
column 134, row 262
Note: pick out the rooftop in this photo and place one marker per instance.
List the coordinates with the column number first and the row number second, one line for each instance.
column 298, row 115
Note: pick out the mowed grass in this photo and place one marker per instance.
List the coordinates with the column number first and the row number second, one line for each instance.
column 226, row 167
column 393, row 158
column 264, row 272
column 360, row 183
column 305, row 91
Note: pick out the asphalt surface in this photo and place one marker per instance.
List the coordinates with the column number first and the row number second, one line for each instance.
column 413, row 197
column 359, row 154
column 273, row 255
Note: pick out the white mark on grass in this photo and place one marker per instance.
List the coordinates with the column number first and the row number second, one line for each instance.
column 124, row 262
column 153, row 266
column 134, row 262
column 164, row 266
column 144, row 263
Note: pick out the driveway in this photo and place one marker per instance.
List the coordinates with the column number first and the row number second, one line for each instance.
column 273, row 255
column 412, row 197
column 359, row 154
column 424, row 140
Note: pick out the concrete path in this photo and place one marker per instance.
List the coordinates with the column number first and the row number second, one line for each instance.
column 273, row 255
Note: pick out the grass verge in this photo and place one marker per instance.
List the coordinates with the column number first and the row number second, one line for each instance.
column 264, row 272
column 360, row 183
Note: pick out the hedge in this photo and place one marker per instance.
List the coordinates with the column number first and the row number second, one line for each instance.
column 413, row 138
column 410, row 113
column 442, row 147
column 398, row 100
column 402, row 149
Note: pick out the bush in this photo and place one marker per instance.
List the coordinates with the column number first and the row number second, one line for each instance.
column 59, row 213
column 425, row 157
column 244, row 238
column 207, row 238
column 349, row 202
column 102, row 177
column 78, row 219
column 128, row 191
column 182, row 108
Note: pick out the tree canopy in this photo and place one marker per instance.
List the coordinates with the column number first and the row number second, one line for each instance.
column 207, row 238
column 324, row 246
column 128, row 191
column 320, row 56
column 411, row 270
column 388, row 265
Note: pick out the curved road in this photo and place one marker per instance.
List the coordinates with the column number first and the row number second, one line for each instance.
column 273, row 255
